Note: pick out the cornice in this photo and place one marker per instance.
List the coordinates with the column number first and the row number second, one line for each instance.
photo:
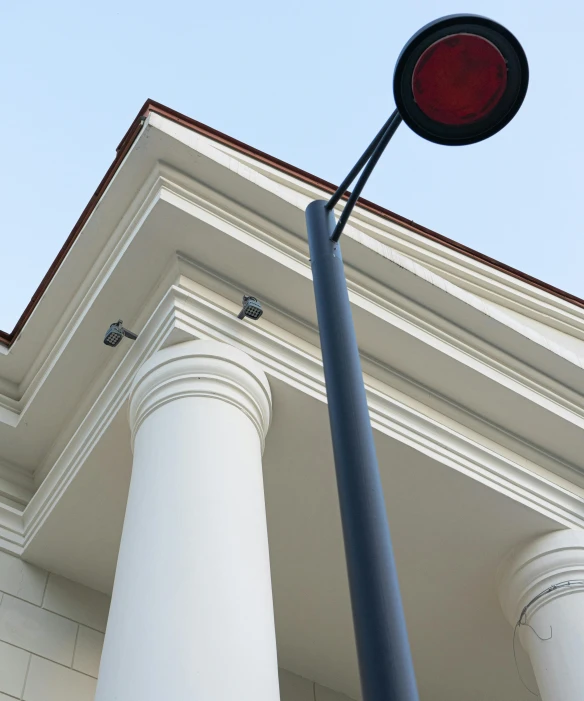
column 482, row 281
column 86, row 295
column 289, row 352
column 16, row 484
column 392, row 412
column 16, row 490
column 390, row 305
column 269, row 239
column 84, row 431
column 193, row 311
column 464, row 271
column 545, row 309
column 468, row 272
column 192, row 131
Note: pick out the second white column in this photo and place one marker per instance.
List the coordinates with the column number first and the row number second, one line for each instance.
column 191, row 615
column 541, row 589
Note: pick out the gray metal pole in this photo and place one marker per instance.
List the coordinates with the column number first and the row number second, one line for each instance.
column 383, row 650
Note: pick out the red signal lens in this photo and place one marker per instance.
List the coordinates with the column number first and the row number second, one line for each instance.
column 459, row 79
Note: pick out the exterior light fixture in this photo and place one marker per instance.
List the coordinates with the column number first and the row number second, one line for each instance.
column 458, row 81
column 251, row 308
column 116, row 332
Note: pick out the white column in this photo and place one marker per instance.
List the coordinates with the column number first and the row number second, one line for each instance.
column 550, row 561
column 191, row 616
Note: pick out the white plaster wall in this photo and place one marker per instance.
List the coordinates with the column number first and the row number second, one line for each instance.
column 51, row 634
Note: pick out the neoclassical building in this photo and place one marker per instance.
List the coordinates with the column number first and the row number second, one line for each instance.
column 172, row 499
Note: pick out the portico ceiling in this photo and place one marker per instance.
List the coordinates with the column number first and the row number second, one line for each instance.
column 450, row 533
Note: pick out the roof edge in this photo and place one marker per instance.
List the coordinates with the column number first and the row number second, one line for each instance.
column 130, row 136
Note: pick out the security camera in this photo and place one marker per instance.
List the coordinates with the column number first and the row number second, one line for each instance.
column 116, row 332
column 252, row 309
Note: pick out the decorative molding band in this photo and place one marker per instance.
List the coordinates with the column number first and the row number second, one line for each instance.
column 205, row 315
column 91, row 422
column 11, row 532
column 16, row 484
column 536, row 568
column 299, row 364
column 226, row 215
column 202, row 369
column 15, row 492
column 467, row 272
column 283, row 354
column 85, row 297
column 190, row 310
column 179, row 311
column 473, row 276
column 389, row 305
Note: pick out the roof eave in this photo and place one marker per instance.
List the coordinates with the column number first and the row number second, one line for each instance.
column 125, row 145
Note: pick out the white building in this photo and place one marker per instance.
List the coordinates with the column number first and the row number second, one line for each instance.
column 475, row 381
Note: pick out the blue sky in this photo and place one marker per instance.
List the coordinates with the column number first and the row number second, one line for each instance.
column 308, row 82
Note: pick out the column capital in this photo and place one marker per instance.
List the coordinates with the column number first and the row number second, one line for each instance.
column 202, row 369
column 531, row 569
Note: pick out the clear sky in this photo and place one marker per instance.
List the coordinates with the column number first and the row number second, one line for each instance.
column 307, row 81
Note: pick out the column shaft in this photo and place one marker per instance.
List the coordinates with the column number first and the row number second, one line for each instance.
column 191, row 614
column 558, row 660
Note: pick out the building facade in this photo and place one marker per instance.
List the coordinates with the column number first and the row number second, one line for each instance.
column 169, row 507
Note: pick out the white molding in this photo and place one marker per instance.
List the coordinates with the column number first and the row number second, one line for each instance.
column 9, row 390
column 468, row 298
column 201, row 314
column 11, row 531
column 395, row 308
column 16, row 490
column 467, row 272
column 195, row 312
column 85, row 296
column 299, row 365
column 16, row 483
column 269, row 239
column 475, row 277
column 96, row 420
column 96, row 280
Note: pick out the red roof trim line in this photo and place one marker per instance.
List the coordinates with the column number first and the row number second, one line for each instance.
column 8, row 339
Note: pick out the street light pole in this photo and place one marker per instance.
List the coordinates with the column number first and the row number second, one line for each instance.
column 458, row 80
column 385, row 662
